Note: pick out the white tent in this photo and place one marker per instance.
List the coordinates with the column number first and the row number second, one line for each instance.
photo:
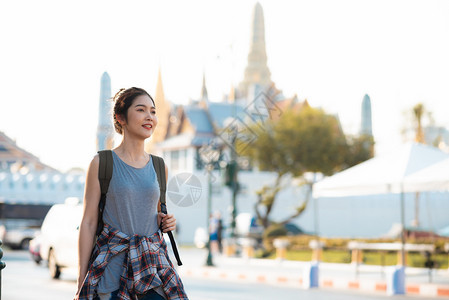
column 432, row 178
column 381, row 174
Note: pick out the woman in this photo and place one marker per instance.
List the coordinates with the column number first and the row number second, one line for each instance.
column 130, row 216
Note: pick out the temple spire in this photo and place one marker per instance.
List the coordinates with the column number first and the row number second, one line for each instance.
column 256, row 72
column 204, row 89
column 204, row 101
column 231, row 96
column 159, row 94
column 366, row 123
column 105, row 129
column 162, row 111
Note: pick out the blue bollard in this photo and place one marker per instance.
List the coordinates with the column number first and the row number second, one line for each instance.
column 2, row 266
column 311, row 275
column 396, row 281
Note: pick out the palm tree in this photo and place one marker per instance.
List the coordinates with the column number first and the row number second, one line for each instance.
column 418, row 111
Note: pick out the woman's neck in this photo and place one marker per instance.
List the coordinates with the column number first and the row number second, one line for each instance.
column 132, row 150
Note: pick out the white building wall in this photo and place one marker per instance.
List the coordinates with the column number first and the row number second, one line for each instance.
column 37, row 187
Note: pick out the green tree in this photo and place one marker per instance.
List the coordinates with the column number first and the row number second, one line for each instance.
column 306, row 141
column 360, row 148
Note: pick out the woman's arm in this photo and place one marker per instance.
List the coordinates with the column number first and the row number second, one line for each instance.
column 168, row 220
column 89, row 221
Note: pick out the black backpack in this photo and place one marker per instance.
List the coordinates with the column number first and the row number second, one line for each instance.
column 105, row 175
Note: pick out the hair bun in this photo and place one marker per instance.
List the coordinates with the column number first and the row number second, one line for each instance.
column 117, row 95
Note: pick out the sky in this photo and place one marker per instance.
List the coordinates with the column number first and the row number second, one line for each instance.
column 330, row 52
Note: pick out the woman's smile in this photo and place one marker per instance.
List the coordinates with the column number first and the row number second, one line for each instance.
column 147, row 126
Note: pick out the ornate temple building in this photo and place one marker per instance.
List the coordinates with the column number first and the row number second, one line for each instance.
column 24, row 179
column 28, row 187
column 183, row 129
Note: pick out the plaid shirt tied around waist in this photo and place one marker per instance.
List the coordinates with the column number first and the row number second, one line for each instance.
column 146, row 265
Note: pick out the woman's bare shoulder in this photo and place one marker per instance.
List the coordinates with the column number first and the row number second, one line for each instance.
column 94, row 163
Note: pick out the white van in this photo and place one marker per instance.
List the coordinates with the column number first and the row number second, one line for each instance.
column 59, row 236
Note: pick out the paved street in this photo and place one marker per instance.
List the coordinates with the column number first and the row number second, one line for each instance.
column 23, row 280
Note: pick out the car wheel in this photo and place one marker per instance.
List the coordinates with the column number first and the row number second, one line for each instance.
column 37, row 259
column 25, row 244
column 55, row 270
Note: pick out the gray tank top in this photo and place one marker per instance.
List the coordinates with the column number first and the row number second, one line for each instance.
column 131, row 207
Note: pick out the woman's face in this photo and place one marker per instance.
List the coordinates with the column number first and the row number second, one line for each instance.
column 142, row 119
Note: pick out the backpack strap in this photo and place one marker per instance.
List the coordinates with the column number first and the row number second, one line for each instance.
column 159, row 167
column 104, row 177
